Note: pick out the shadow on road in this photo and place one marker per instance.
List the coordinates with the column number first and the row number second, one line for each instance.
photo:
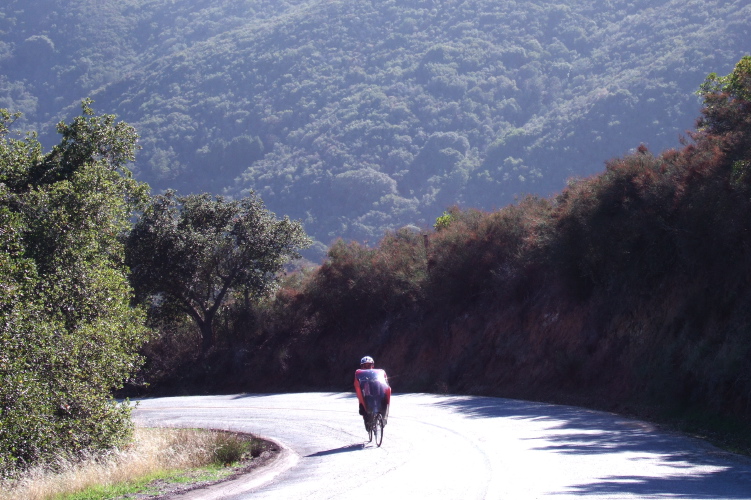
column 249, row 395
column 590, row 432
column 343, row 449
column 346, row 395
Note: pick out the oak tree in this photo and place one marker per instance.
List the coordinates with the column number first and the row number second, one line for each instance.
column 191, row 252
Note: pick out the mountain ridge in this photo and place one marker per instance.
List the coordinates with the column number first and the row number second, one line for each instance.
column 353, row 116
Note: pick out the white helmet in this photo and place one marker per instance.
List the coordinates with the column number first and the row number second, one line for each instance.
column 367, row 359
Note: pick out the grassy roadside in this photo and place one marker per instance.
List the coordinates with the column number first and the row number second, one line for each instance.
column 160, row 462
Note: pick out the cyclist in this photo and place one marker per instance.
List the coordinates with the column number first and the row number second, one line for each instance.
column 372, row 384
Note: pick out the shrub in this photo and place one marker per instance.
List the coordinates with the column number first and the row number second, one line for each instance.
column 358, row 286
column 231, row 448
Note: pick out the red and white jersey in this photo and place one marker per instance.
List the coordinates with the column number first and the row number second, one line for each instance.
column 372, row 383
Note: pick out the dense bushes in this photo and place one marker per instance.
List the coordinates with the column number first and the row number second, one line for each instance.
column 358, row 285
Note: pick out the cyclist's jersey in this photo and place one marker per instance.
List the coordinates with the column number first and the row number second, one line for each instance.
column 373, row 390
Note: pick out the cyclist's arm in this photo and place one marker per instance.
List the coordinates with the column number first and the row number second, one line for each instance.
column 358, row 390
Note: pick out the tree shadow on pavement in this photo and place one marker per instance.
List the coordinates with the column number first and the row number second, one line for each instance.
column 579, row 431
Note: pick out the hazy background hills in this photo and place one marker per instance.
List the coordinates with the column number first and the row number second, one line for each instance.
column 364, row 115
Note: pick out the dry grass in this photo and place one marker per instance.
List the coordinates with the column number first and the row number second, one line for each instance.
column 153, row 451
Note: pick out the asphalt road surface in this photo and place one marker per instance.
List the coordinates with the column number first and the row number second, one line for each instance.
column 455, row 447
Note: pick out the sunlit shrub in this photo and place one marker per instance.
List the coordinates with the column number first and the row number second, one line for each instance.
column 358, row 285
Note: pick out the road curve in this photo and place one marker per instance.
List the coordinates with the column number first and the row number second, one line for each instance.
column 457, row 447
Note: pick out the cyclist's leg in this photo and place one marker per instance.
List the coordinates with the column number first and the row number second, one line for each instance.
column 365, row 416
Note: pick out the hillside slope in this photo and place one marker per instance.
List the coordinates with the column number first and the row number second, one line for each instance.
column 363, row 115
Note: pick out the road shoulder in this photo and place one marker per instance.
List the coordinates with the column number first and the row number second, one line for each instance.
column 259, row 472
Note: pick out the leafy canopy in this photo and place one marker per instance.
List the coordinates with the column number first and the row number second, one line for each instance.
column 737, row 85
column 726, row 116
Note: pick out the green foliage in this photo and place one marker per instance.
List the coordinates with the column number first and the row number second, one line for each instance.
column 231, row 448
column 726, row 120
column 190, row 253
column 443, row 221
column 68, row 335
column 737, row 84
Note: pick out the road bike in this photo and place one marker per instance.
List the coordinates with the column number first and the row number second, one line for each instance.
column 374, row 393
column 375, row 428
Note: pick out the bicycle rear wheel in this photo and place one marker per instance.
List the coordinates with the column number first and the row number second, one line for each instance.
column 378, row 429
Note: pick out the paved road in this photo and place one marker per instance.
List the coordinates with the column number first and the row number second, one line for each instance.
column 456, row 447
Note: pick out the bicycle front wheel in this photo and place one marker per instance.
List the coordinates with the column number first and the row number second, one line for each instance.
column 378, row 429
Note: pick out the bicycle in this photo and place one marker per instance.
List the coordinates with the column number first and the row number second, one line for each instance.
column 375, row 428
column 375, row 394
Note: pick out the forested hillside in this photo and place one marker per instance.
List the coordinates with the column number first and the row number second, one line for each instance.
column 362, row 115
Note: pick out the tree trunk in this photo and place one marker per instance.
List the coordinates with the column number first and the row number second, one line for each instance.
column 207, row 334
